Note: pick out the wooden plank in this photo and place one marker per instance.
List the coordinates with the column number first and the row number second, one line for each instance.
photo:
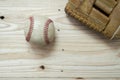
column 78, row 53
column 59, row 78
column 28, row 68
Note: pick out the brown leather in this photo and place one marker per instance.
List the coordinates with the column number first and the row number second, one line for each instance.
column 100, row 15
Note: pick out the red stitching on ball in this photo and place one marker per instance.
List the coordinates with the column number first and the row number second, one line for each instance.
column 46, row 31
column 30, row 29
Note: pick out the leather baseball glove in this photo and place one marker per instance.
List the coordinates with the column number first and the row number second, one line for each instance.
column 100, row 15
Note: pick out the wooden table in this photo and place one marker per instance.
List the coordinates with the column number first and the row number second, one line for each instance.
column 77, row 53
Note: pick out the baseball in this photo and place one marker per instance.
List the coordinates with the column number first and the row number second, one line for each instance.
column 40, row 31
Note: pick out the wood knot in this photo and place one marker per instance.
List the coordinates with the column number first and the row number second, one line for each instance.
column 79, row 78
column 2, row 17
column 61, row 70
column 42, row 67
column 58, row 29
column 63, row 50
column 59, row 9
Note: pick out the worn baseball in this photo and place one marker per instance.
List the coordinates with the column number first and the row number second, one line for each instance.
column 40, row 31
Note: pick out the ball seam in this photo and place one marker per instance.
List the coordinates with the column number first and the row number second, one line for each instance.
column 46, row 31
column 30, row 28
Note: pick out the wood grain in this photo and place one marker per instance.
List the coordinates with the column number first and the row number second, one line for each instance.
column 77, row 53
